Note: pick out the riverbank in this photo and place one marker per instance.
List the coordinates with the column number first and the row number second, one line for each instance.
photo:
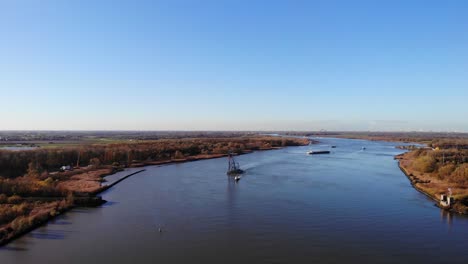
column 83, row 185
column 46, row 209
column 91, row 182
column 432, row 186
column 316, row 197
column 406, row 137
column 412, row 178
column 435, row 164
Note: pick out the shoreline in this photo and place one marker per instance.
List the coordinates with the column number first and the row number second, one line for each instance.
column 171, row 162
column 436, row 186
column 415, row 183
column 412, row 181
column 97, row 200
column 94, row 200
column 430, row 184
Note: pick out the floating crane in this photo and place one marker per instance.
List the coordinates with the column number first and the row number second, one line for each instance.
column 233, row 166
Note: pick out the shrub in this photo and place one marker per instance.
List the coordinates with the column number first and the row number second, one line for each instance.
column 20, row 224
column 417, row 153
column 460, row 175
column 6, row 215
column 445, row 171
column 49, row 181
column 15, row 199
column 54, row 211
column 95, row 162
column 3, row 198
column 178, row 155
column 21, row 209
column 425, row 164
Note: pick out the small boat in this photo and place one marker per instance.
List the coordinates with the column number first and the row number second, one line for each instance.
column 237, row 178
column 314, row 152
column 363, row 148
column 333, row 146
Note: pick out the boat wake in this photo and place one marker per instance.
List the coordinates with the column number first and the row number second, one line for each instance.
column 250, row 166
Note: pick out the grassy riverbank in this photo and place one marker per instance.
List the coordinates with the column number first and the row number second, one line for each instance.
column 33, row 190
column 434, row 174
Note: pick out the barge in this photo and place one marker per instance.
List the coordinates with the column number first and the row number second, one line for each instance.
column 315, row 152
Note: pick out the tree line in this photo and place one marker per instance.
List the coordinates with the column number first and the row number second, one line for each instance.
column 447, row 163
column 38, row 161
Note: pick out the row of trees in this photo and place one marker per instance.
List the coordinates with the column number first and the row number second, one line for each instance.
column 458, row 144
column 35, row 162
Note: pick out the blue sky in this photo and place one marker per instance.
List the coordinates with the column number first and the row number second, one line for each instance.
column 234, row 65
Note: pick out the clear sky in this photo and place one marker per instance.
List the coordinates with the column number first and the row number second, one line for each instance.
column 234, row 65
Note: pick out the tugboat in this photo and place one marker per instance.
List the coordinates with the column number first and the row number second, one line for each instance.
column 233, row 167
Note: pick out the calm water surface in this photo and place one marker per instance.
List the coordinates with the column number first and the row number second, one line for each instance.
column 349, row 206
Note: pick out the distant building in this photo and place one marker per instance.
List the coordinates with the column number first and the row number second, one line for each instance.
column 66, row 168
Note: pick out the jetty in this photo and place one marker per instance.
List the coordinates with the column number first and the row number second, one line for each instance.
column 119, row 180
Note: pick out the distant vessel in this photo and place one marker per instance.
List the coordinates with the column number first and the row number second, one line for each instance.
column 313, row 152
column 333, row 146
column 363, row 148
column 237, row 178
column 233, row 167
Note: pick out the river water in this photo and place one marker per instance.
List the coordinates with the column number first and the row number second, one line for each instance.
column 350, row 206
